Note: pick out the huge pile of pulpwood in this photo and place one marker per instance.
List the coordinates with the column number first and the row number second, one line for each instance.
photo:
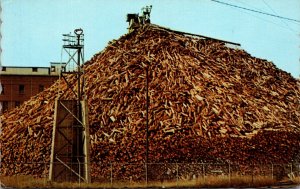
column 207, row 102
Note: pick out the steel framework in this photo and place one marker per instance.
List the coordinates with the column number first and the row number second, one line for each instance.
column 70, row 138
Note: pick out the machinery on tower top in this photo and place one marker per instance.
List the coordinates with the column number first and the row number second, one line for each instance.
column 135, row 20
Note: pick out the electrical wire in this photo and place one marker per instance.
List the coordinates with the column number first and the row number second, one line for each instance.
column 260, row 12
column 293, row 31
column 247, row 4
column 263, row 19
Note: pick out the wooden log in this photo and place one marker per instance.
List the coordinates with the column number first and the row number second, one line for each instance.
column 207, row 102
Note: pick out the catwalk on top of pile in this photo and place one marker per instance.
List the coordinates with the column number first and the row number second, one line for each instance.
column 207, row 102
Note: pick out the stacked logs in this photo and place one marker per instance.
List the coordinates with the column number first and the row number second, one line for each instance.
column 207, row 102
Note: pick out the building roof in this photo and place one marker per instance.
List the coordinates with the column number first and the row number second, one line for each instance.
column 53, row 70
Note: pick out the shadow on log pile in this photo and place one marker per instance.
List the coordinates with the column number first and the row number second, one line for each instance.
column 207, row 102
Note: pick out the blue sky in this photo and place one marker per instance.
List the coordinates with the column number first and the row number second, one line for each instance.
column 32, row 29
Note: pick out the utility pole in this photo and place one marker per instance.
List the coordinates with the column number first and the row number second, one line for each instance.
column 147, row 120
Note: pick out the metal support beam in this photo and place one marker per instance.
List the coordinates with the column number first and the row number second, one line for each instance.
column 70, row 151
column 59, row 160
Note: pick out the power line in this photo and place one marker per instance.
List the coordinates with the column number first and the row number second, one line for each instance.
column 281, row 19
column 263, row 19
column 247, row 4
column 265, row 13
column 247, row 12
column 266, row 20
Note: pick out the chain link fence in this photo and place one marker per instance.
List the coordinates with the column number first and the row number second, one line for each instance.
column 176, row 173
column 190, row 171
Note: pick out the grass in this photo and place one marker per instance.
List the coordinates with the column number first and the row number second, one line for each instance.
column 237, row 181
column 21, row 181
column 296, row 180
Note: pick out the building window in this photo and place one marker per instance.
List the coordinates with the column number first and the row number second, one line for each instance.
column 4, row 105
column 41, row 88
column 52, row 68
column 17, row 103
column 4, row 69
column 34, row 69
column 21, row 89
column 1, row 89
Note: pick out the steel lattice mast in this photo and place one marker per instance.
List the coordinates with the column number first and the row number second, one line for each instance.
column 70, row 139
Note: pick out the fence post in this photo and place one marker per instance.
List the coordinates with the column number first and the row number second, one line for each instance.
column 45, row 176
column 79, row 179
column 111, row 174
column 229, row 172
column 272, row 171
column 146, row 173
column 203, row 169
column 252, row 173
column 177, row 174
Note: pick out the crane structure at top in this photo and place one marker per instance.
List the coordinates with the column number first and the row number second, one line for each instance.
column 135, row 20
